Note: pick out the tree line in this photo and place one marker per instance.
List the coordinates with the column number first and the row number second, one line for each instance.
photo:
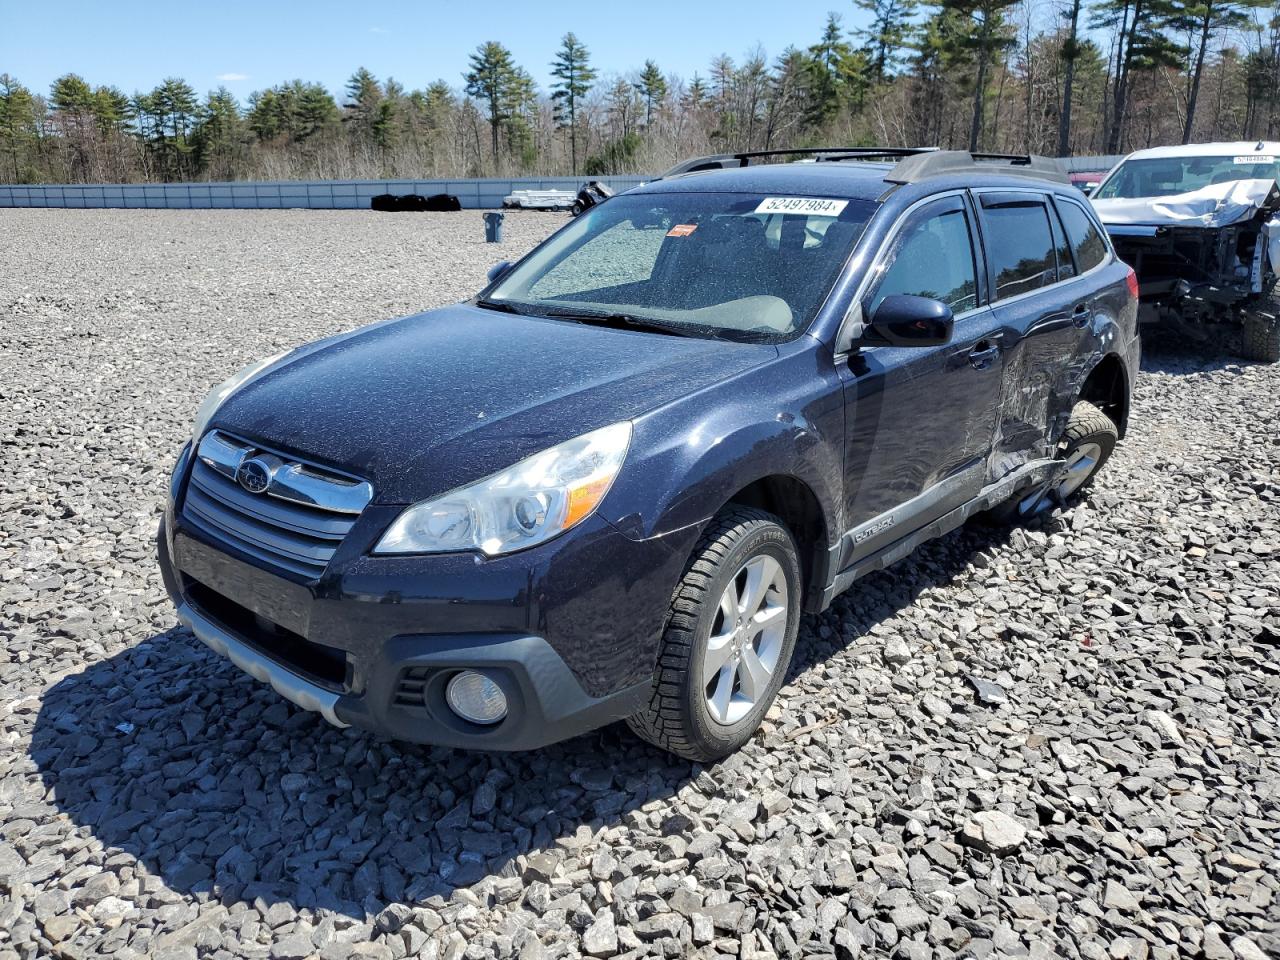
column 1057, row 77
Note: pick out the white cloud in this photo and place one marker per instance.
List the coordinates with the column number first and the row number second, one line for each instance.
column 232, row 77
column 379, row 30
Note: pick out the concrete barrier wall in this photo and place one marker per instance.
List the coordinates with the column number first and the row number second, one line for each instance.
column 321, row 194
column 314, row 194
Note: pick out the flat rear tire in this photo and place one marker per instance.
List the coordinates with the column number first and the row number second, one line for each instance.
column 1085, row 446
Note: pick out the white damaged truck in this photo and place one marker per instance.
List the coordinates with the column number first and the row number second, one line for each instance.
column 1200, row 225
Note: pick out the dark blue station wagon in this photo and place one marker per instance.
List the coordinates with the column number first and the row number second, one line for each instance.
column 608, row 486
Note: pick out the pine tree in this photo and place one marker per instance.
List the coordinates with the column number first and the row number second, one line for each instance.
column 363, row 109
column 572, row 69
column 73, row 103
column 695, row 95
column 887, row 35
column 1070, row 53
column 521, row 112
column 652, row 87
column 784, row 112
column 835, row 74
column 985, row 37
column 312, row 110
column 111, row 109
column 491, row 79
column 165, row 118
column 219, row 135
column 723, row 73
column 17, row 126
column 1141, row 45
column 1203, row 19
column 438, row 103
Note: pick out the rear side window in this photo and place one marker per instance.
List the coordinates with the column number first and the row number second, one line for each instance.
column 1090, row 249
column 1020, row 247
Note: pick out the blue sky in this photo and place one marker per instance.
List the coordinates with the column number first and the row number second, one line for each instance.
column 249, row 45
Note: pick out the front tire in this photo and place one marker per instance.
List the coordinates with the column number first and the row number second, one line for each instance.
column 1085, row 446
column 1260, row 338
column 728, row 640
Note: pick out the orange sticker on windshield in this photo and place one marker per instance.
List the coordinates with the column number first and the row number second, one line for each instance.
column 682, row 229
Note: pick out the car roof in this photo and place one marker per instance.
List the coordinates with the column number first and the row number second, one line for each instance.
column 857, row 180
column 1237, row 148
column 851, row 179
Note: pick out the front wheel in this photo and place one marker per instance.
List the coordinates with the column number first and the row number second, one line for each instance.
column 728, row 640
column 1260, row 338
column 1085, row 446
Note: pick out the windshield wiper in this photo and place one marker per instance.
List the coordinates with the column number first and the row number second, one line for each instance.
column 502, row 306
column 624, row 320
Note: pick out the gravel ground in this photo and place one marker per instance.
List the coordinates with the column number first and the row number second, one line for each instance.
column 1061, row 741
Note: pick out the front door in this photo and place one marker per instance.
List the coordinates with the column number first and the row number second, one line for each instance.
column 919, row 420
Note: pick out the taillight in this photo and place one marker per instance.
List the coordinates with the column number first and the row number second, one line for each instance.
column 1131, row 281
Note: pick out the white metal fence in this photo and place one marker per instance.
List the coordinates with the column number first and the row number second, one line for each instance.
column 313, row 194
column 485, row 194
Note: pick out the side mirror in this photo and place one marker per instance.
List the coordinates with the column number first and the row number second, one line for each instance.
column 498, row 269
column 906, row 321
column 1088, row 188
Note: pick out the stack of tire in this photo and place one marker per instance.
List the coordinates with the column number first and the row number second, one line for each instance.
column 415, row 203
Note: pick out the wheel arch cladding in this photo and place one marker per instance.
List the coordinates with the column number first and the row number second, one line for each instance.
column 793, row 502
column 1107, row 387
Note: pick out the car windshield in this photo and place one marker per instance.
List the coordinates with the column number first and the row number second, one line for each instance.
column 1165, row 176
column 737, row 266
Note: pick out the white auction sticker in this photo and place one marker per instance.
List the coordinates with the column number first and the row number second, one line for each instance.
column 813, row 206
column 1253, row 159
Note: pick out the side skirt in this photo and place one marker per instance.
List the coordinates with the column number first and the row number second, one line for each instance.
column 1028, row 475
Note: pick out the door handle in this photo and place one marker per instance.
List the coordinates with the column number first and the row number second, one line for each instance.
column 983, row 353
column 1081, row 315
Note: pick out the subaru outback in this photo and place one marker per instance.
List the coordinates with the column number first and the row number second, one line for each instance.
column 610, row 485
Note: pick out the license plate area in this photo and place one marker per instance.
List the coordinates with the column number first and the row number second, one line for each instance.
column 276, row 599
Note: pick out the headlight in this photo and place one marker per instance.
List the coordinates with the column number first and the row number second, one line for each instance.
column 227, row 387
column 539, row 498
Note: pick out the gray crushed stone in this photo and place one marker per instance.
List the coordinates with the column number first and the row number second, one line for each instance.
column 1060, row 741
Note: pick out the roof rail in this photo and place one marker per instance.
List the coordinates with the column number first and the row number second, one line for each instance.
column 915, row 168
column 722, row 161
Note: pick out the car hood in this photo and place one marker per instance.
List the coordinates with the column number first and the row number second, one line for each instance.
column 422, row 405
column 1217, row 205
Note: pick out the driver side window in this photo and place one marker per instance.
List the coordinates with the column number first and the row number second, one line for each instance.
column 933, row 258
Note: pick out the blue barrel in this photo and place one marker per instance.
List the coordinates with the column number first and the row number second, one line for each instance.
column 493, row 228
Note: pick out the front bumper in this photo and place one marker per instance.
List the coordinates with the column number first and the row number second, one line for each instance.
column 569, row 630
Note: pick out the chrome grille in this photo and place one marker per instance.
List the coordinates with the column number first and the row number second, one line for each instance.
column 295, row 522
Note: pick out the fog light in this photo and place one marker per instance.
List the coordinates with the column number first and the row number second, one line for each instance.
column 476, row 698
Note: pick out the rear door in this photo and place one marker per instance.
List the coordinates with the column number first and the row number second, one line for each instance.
column 920, row 419
column 1044, row 312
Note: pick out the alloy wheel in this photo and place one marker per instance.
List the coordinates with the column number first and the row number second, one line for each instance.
column 746, row 639
column 1076, row 470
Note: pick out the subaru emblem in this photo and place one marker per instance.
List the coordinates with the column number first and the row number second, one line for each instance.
column 254, row 475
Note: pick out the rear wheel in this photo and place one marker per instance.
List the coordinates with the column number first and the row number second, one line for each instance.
column 1260, row 338
column 728, row 640
column 1085, row 446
